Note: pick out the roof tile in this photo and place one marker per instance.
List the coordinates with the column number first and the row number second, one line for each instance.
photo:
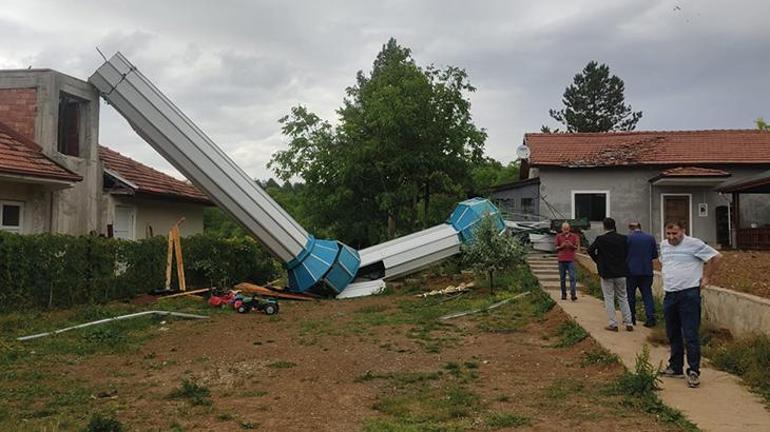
column 649, row 148
column 149, row 180
column 21, row 156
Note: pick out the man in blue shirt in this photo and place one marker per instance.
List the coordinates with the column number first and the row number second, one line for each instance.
column 642, row 250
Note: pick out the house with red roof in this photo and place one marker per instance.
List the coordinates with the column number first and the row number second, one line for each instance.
column 648, row 176
column 56, row 178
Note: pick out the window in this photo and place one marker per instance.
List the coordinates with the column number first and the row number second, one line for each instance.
column 594, row 205
column 527, row 206
column 70, row 111
column 11, row 216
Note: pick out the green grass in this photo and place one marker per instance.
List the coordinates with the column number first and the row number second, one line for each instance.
column 570, row 333
column 748, row 358
column 600, row 357
column 506, row 420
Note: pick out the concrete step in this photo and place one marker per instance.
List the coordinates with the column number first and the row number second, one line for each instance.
column 555, row 284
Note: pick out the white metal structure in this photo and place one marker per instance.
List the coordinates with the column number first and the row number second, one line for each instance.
column 309, row 261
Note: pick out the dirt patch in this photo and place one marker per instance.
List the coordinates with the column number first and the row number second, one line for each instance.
column 747, row 272
column 353, row 365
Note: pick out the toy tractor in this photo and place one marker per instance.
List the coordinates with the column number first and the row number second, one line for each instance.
column 247, row 304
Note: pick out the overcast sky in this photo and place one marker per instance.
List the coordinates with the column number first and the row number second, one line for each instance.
column 236, row 67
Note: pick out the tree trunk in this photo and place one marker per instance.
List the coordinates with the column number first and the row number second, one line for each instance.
column 391, row 226
column 426, row 205
column 491, row 283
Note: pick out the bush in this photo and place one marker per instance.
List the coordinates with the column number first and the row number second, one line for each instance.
column 58, row 271
column 102, row 423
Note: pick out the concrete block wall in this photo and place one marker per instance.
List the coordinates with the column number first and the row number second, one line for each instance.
column 743, row 314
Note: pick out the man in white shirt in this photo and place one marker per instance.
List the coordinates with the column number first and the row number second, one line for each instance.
column 684, row 275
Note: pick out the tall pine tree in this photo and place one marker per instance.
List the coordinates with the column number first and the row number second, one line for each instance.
column 594, row 102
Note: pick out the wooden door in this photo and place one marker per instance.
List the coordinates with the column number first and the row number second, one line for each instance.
column 676, row 208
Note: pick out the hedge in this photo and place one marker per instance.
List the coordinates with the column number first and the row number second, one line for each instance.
column 57, row 271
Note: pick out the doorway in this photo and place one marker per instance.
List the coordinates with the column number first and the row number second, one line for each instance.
column 723, row 226
column 676, row 208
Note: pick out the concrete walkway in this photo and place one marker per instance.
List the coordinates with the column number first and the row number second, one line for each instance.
column 721, row 403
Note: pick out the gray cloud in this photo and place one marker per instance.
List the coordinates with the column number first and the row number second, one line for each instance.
column 236, row 67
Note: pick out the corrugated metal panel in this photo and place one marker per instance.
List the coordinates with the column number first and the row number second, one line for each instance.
column 188, row 149
column 410, row 253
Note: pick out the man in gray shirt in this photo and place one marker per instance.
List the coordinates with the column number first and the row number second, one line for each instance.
column 684, row 275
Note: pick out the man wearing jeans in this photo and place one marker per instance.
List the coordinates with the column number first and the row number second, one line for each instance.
column 684, row 275
column 610, row 251
column 567, row 243
column 642, row 250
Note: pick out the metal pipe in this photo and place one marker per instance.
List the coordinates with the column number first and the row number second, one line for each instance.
column 106, row 320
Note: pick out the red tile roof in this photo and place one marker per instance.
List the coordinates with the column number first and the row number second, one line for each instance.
column 21, row 156
column 649, row 148
column 149, row 180
column 691, row 171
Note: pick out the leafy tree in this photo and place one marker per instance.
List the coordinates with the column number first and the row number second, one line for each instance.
column 594, row 102
column 489, row 173
column 762, row 125
column 491, row 251
column 405, row 137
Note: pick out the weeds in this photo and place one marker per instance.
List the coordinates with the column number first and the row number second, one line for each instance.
column 195, row 393
column 599, row 356
column 104, row 423
column 570, row 333
column 748, row 358
column 506, row 420
column 281, row 364
column 638, row 390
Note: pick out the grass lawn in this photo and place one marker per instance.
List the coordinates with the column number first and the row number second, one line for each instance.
column 380, row 363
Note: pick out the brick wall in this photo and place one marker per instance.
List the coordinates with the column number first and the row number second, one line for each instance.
column 18, row 108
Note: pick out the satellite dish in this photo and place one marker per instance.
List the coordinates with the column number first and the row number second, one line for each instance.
column 522, row 152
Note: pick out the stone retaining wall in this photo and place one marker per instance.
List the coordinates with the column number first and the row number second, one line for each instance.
column 741, row 313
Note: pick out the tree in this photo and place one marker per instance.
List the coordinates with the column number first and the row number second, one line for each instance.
column 762, row 125
column 490, row 251
column 594, row 102
column 405, row 136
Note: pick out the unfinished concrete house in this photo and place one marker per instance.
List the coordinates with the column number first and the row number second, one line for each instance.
column 56, row 178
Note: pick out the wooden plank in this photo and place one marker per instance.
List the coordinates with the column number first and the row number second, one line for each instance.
column 267, row 292
column 179, row 260
column 186, row 293
column 169, row 260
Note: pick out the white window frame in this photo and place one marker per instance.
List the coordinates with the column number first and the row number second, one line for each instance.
column 607, row 210
column 132, row 228
column 691, row 231
column 14, row 229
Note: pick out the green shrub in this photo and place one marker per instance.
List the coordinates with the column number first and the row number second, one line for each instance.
column 59, row 271
column 103, row 423
column 197, row 394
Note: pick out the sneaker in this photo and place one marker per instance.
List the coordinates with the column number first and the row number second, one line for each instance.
column 564, row 296
column 671, row 373
column 649, row 324
column 629, row 328
column 574, row 298
column 693, row 379
column 611, row 328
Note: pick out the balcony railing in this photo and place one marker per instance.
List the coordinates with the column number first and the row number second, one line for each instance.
column 754, row 238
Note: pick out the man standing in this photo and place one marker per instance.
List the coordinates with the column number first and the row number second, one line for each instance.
column 684, row 275
column 610, row 251
column 642, row 250
column 567, row 243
